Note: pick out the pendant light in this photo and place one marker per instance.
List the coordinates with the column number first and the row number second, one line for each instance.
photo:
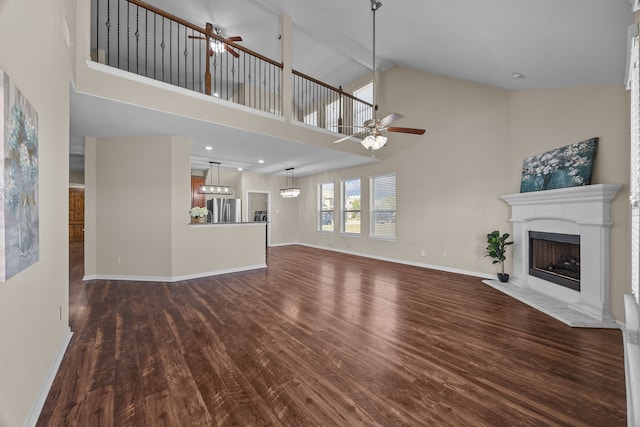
column 290, row 191
column 218, row 189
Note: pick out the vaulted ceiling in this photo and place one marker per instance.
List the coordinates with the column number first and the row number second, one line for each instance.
column 553, row 43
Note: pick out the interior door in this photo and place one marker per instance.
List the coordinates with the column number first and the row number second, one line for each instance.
column 197, row 199
column 76, row 214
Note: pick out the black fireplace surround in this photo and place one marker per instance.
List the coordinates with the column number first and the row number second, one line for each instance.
column 556, row 258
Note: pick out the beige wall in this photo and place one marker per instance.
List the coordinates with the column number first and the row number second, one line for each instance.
column 450, row 179
column 133, row 206
column 32, row 335
column 138, row 215
column 541, row 120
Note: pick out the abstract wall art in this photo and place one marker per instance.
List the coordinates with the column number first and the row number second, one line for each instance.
column 19, row 217
column 568, row 166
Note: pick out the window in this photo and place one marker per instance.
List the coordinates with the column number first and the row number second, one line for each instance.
column 362, row 112
column 333, row 114
column 383, row 206
column 325, row 219
column 351, row 206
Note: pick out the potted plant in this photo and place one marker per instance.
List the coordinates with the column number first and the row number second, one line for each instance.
column 496, row 249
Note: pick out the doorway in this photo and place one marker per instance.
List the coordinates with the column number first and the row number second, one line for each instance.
column 259, row 210
column 76, row 214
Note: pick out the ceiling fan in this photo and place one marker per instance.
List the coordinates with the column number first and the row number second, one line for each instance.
column 373, row 128
column 219, row 43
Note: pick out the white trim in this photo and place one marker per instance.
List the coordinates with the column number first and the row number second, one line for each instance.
column 173, row 279
column 632, row 31
column 72, row 185
column 399, row 261
column 225, row 224
column 32, row 420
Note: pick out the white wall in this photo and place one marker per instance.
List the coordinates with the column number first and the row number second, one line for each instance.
column 32, row 335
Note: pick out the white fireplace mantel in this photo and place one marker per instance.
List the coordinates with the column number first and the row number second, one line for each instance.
column 583, row 211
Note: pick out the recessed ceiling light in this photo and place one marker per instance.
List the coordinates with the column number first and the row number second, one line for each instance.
column 261, row 161
column 516, row 75
column 239, row 169
column 216, row 94
column 208, row 147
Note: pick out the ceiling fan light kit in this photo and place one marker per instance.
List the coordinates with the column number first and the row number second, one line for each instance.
column 373, row 128
column 374, row 142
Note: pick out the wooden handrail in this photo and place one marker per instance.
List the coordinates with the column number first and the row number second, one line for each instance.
column 167, row 15
column 203, row 31
column 328, row 86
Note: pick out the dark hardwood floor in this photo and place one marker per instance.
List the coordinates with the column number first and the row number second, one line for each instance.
column 322, row 338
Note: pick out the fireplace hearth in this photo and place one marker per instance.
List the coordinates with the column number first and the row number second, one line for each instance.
column 555, row 257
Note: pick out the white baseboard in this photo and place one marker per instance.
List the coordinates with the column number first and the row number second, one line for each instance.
column 46, row 386
column 172, row 279
column 399, row 261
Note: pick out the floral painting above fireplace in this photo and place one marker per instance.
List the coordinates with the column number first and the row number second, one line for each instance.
column 568, row 166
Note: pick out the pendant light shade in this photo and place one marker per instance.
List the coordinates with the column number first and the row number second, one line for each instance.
column 374, row 142
column 218, row 189
column 290, row 191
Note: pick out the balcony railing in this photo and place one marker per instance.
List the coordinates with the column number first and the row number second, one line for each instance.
column 319, row 104
column 137, row 37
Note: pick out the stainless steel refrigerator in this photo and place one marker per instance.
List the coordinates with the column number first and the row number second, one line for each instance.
column 224, row 210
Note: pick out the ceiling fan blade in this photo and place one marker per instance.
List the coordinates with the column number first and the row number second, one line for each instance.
column 232, row 51
column 406, row 130
column 386, row 121
column 342, row 139
column 197, row 37
column 234, row 38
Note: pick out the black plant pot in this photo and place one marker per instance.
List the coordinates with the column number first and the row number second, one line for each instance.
column 503, row 277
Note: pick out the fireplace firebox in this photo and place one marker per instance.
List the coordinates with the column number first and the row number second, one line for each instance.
column 556, row 258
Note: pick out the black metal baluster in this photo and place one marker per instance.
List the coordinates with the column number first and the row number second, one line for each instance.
column 186, row 62
column 128, row 38
column 155, row 46
column 193, row 65
column 108, row 25
column 146, row 43
column 162, row 45
column 137, row 34
column 118, row 44
column 97, row 30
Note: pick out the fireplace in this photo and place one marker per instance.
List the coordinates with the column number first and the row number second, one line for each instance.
column 574, row 225
column 555, row 257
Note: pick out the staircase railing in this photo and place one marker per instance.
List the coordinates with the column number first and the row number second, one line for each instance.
column 137, row 37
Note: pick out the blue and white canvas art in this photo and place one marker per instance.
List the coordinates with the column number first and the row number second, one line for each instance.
column 568, row 166
column 19, row 218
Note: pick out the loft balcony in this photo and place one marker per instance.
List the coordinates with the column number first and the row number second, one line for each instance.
column 138, row 38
